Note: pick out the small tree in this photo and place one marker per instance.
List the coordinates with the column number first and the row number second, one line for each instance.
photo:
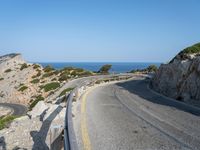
column 105, row 68
column 152, row 68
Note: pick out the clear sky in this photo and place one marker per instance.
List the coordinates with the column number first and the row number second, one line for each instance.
column 98, row 30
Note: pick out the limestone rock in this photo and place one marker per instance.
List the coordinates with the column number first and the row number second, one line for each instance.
column 10, row 60
column 180, row 79
column 38, row 110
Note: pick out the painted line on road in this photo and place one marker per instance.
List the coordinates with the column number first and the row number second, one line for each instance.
column 84, row 130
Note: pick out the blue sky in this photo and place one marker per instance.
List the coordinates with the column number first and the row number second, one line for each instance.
column 98, row 30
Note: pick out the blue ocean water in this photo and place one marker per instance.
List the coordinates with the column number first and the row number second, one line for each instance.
column 117, row 67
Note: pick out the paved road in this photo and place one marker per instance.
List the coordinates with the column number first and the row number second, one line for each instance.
column 18, row 109
column 129, row 116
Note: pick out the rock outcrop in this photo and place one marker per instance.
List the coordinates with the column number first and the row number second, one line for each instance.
column 180, row 79
column 33, row 133
column 10, row 60
column 16, row 73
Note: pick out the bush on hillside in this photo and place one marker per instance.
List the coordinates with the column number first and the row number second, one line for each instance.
column 8, row 70
column 50, row 86
column 65, row 91
column 34, row 102
column 36, row 66
column 152, row 68
column 5, row 121
column 192, row 49
column 23, row 66
column 48, row 68
column 23, row 88
column 63, row 77
column 34, row 81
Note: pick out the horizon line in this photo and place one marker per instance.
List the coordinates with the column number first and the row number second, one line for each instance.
column 91, row 62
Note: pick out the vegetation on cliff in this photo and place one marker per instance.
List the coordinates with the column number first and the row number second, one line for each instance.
column 185, row 53
column 5, row 121
column 149, row 69
column 50, row 86
column 35, row 101
column 65, row 91
column 192, row 49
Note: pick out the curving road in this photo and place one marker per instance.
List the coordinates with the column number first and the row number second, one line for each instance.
column 128, row 115
column 18, row 109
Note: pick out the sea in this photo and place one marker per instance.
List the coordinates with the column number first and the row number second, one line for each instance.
column 117, row 67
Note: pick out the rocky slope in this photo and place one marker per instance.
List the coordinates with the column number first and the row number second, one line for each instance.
column 180, row 78
column 13, row 76
column 41, row 89
column 34, row 132
column 26, row 83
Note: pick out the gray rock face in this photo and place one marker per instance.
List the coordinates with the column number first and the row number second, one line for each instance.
column 180, row 79
column 10, row 60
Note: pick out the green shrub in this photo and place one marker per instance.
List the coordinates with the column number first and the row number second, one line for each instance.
column 63, row 77
column 34, row 81
column 50, row 86
column 79, row 70
column 8, row 70
column 152, row 68
column 4, row 121
column 67, row 69
column 105, row 69
column 34, row 102
column 36, row 66
column 23, row 88
column 192, row 49
column 48, row 74
column 86, row 73
column 23, row 66
column 48, row 68
column 1, row 79
column 65, row 91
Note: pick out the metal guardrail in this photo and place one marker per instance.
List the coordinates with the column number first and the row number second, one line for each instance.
column 69, row 133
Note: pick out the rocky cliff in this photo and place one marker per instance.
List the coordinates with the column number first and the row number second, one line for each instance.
column 15, row 73
column 180, row 78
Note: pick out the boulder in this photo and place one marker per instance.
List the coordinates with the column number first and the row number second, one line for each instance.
column 54, row 112
column 38, row 110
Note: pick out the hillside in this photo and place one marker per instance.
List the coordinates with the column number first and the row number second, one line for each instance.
column 180, row 79
column 27, row 83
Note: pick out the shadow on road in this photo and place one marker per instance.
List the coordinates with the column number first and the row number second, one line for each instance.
column 140, row 88
column 2, row 143
column 39, row 138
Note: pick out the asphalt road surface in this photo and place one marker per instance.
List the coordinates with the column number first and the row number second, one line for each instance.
column 18, row 109
column 129, row 116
